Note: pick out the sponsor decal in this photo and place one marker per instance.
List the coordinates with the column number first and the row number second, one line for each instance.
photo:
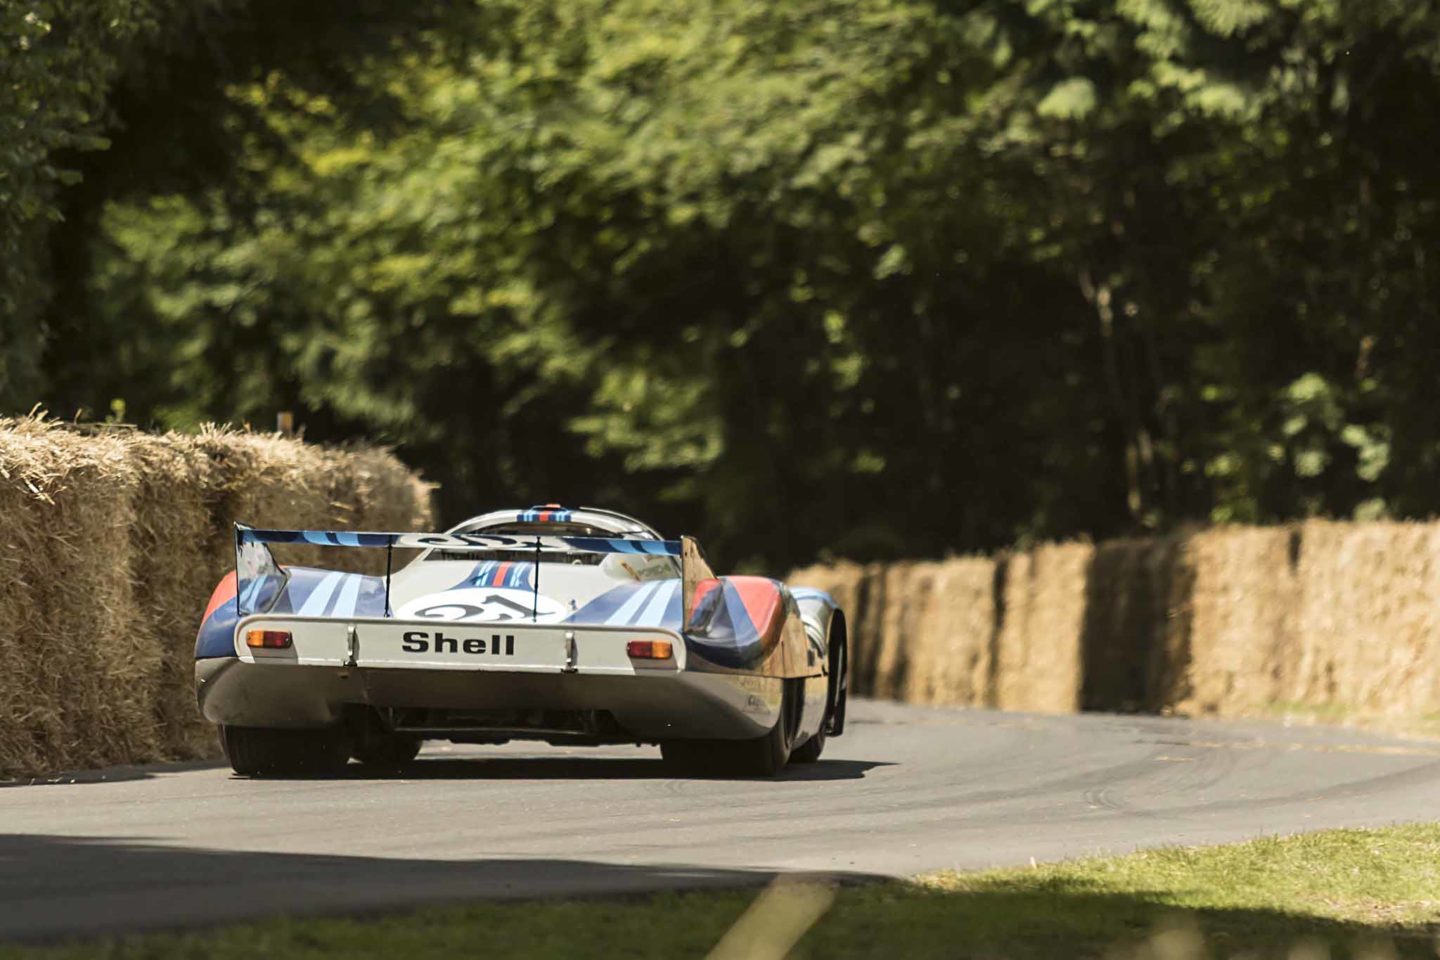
column 424, row 641
column 484, row 605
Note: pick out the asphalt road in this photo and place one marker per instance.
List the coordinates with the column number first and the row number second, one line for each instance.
column 907, row 790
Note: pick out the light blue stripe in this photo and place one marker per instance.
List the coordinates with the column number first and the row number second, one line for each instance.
column 346, row 539
column 349, row 594
column 252, row 589
column 482, row 572
column 319, row 598
column 632, row 606
column 655, row 612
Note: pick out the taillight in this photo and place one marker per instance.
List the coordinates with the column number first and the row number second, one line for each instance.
column 268, row 639
column 649, row 649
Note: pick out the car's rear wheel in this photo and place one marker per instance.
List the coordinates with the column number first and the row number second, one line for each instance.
column 759, row 757
column 836, row 694
column 810, row 750
column 385, row 749
column 269, row 752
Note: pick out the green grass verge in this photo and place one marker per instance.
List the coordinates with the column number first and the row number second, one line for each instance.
column 1357, row 893
column 1295, row 711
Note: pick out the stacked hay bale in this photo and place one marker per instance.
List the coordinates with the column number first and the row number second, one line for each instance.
column 1135, row 642
column 1242, row 604
column 968, row 631
column 1038, row 665
column 112, row 542
column 1364, row 637
column 1323, row 619
column 866, row 620
column 73, row 670
column 951, row 654
column 180, row 553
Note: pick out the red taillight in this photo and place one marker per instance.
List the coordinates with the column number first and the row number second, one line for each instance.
column 268, row 639
column 649, row 649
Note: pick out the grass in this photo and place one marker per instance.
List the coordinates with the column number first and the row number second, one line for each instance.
column 1295, row 711
column 1356, row 893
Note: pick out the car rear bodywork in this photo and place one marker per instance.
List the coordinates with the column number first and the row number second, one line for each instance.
column 577, row 627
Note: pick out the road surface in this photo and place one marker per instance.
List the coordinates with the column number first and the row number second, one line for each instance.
column 907, row 790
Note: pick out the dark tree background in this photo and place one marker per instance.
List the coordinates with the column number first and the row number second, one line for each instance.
column 874, row 278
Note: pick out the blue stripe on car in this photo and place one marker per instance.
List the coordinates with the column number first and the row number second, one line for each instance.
column 319, row 598
column 349, row 594
column 626, row 614
column 659, row 603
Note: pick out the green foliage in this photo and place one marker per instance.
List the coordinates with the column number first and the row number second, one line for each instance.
column 56, row 60
column 880, row 276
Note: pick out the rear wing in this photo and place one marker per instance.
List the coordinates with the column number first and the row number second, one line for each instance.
column 259, row 578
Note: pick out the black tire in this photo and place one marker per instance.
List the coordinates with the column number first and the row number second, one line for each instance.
column 761, row 757
column 837, row 696
column 385, row 749
column 267, row 752
column 839, row 675
column 810, row 750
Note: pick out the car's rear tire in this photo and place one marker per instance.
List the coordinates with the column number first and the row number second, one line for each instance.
column 269, row 752
column 759, row 757
column 810, row 750
column 377, row 749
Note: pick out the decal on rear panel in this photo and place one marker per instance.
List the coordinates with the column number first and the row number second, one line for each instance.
column 484, row 605
column 425, row 641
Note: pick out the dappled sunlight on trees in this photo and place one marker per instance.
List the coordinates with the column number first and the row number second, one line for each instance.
column 878, row 277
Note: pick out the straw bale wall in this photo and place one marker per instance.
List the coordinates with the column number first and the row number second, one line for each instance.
column 1321, row 619
column 110, row 544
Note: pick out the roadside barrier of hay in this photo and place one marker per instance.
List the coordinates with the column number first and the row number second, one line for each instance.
column 110, row 544
column 1365, row 634
column 1038, row 656
column 1317, row 620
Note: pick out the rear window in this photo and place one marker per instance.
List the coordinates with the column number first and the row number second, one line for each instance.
column 519, row 529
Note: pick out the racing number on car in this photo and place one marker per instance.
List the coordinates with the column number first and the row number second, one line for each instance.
column 494, row 607
column 484, row 604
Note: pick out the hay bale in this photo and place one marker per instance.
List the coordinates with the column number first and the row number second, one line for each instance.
column 950, row 646
column 866, row 627
column 1241, row 609
column 30, row 721
column 388, row 495
column 1324, row 620
column 175, row 566
column 110, row 543
column 840, row 580
column 271, row 481
column 1366, row 636
column 907, row 591
column 75, row 668
column 1133, row 633
column 1038, row 660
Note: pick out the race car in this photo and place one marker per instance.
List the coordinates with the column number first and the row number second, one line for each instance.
column 573, row 627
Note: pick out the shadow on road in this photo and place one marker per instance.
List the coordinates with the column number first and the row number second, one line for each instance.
column 58, row 888
column 588, row 768
column 117, row 774
column 55, row 888
column 476, row 768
